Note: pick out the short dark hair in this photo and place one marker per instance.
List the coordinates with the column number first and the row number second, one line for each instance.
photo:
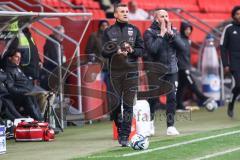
column 234, row 10
column 116, row 6
column 101, row 22
column 13, row 52
column 13, row 46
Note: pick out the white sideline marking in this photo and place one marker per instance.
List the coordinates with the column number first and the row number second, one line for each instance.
column 217, row 154
column 181, row 143
column 168, row 146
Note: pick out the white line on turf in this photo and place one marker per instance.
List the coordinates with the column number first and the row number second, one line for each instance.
column 218, row 154
column 168, row 146
column 181, row 143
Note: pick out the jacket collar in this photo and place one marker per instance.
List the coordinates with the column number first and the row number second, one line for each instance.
column 10, row 64
column 155, row 25
column 52, row 36
column 235, row 23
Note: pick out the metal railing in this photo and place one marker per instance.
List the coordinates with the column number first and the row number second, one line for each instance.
column 199, row 20
column 32, row 5
column 72, row 6
column 176, row 12
column 77, row 51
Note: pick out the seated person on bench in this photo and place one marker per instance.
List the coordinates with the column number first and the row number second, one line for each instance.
column 7, row 108
column 19, row 85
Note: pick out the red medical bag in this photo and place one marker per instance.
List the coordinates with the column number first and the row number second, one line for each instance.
column 33, row 131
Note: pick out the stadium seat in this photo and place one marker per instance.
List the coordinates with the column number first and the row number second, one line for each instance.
column 217, row 6
column 97, row 13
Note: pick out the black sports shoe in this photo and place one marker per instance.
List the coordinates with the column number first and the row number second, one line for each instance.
column 124, row 141
column 230, row 110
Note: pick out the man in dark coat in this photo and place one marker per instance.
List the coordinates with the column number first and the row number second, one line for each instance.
column 161, row 42
column 19, row 85
column 185, row 78
column 7, row 107
column 51, row 57
column 230, row 52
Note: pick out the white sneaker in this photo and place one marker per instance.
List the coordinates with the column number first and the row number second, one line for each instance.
column 152, row 128
column 172, row 131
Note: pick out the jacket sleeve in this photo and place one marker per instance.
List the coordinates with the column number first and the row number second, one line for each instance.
column 90, row 44
column 153, row 43
column 105, row 39
column 139, row 46
column 51, row 53
column 12, row 88
column 224, row 47
column 3, row 76
column 178, row 43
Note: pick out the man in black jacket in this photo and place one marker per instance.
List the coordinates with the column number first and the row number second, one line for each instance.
column 230, row 52
column 161, row 42
column 6, row 105
column 184, row 75
column 18, row 85
column 123, row 67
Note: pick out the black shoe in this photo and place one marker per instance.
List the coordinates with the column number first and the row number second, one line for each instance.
column 124, row 141
column 230, row 110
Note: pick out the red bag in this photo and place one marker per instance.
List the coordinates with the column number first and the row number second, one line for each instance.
column 33, row 131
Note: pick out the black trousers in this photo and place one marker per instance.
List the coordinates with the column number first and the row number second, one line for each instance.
column 30, row 106
column 171, row 99
column 8, row 108
column 236, row 89
column 122, row 84
column 185, row 80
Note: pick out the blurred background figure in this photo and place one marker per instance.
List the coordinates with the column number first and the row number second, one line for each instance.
column 185, row 79
column 161, row 44
column 51, row 54
column 94, row 44
column 94, row 47
column 7, row 108
column 136, row 13
column 108, row 7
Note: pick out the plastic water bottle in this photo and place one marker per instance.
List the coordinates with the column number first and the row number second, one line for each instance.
column 210, row 70
column 2, row 139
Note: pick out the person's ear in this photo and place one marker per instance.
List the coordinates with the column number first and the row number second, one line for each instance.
column 115, row 15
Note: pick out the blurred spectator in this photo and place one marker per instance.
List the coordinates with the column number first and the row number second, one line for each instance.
column 136, row 13
column 19, row 85
column 30, row 62
column 108, row 7
column 51, row 49
column 94, row 44
column 185, row 78
column 51, row 60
